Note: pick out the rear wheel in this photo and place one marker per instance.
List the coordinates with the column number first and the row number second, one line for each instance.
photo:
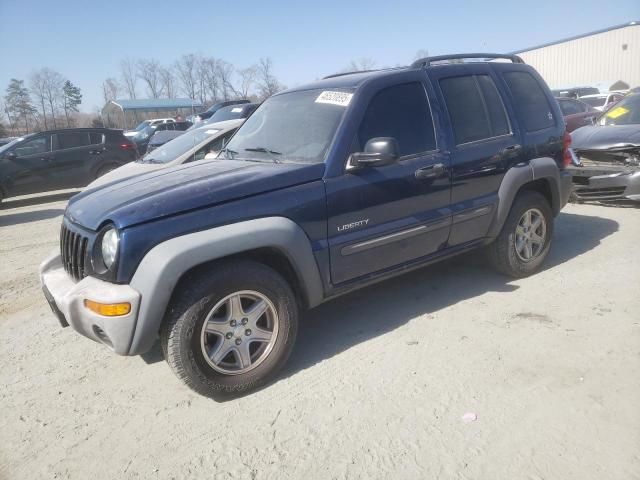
column 525, row 239
column 230, row 331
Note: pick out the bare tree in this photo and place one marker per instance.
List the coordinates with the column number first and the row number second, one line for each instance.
column 186, row 67
column 268, row 83
column 129, row 77
column 202, row 70
column 225, row 75
column 110, row 89
column 422, row 53
column 149, row 71
column 168, row 82
column 209, row 78
column 361, row 65
column 53, row 89
column 248, row 77
column 38, row 90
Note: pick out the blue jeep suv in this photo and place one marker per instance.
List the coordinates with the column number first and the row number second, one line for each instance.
column 326, row 188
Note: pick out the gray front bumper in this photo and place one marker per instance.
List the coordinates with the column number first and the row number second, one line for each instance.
column 598, row 183
column 68, row 297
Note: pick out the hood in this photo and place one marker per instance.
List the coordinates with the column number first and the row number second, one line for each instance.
column 125, row 171
column 170, row 191
column 605, row 137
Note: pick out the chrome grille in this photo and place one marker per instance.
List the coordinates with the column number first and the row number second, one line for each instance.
column 73, row 250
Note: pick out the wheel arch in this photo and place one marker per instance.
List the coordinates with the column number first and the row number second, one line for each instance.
column 275, row 241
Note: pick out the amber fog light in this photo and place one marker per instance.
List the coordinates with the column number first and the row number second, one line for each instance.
column 108, row 309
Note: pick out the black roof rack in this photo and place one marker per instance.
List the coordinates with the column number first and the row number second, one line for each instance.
column 347, row 73
column 427, row 61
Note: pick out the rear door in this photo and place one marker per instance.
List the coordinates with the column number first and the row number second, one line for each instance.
column 483, row 145
column 74, row 159
column 379, row 218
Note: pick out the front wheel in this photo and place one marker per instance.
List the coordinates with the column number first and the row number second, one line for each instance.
column 230, row 330
column 525, row 239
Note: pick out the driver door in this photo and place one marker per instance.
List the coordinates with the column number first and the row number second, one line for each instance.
column 31, row 171
column 382, row 217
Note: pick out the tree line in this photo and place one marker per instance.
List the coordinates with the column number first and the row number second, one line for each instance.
column 204, row 78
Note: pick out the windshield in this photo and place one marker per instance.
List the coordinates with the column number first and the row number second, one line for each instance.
column 626, row 112
column 180, row 145
column 295, row 127
column 142, row 125
column 227, row 113
column 594, row 101
column 6, row 147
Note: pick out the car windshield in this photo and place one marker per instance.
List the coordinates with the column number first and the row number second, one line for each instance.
column 142, row 126
column 231, row 112
column 594, row 101
column 13, row 142
column 291, row 127
column 626, row 112
column 180, row 145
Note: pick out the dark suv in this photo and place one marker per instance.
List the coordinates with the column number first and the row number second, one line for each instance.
column 59, row 159
column 326, row 188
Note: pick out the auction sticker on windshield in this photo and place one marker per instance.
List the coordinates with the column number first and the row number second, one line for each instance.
column 335, row 98
column 617, row 112
column 211, row 132
column 236, row 110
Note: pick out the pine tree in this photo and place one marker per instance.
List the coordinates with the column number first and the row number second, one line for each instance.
column 72, row 98
column 18, row 102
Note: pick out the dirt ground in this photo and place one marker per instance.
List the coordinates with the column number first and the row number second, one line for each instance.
column 378, row 384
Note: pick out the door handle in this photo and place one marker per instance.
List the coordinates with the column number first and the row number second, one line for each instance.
column 510, row 150
column 432, row 171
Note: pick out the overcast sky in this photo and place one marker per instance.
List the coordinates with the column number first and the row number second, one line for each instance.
column 85, row 40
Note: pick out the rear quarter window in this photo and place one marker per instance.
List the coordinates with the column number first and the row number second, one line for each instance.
column 530, row 102
column 72, row 140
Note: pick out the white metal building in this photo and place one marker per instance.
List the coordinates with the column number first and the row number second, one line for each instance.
column 598, row 59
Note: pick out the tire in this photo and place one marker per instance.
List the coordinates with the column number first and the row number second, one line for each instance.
column 504, row 254
column 189, row 348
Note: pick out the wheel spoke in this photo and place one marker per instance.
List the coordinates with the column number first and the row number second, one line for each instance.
column 260, row 335
column 528, row 250
column 216, row 328
column 234, row 308
column 520, row 230
column 242, row 354
column 257, row 310
column 219, row 353
column 536, row 223
column 527, row 218
column 537, row 239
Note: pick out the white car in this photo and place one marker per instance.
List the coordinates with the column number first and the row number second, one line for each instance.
column 196, row 144
column 151, row 122
column 601, row 101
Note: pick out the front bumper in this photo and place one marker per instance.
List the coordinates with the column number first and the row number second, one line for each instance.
column 67, row 297
column 606, row 183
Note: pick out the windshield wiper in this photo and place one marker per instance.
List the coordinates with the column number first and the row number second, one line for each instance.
column 272, row 153
column 228, row 153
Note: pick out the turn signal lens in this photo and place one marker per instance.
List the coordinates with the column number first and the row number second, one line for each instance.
column 108, row 309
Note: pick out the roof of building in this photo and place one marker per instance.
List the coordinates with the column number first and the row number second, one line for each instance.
column 155, row 103
column 576, row 37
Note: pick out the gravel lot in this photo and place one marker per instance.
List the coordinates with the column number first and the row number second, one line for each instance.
column 377, row 386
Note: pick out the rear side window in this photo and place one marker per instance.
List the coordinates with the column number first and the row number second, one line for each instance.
column 401, row 112
column 531, row 103
column 569, row 107
column 475, row 108
column 72, row 140
column 96, row 138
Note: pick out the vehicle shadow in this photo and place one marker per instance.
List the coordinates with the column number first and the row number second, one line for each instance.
column 36, row 200
column 33, row 216
column 342, row 323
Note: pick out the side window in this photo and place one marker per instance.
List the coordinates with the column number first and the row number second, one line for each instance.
column 569, row 108
column 475, row 108
column 33, row 147
column 96, row 138
column 72, row 140
column 531, row 103
column 402, row 112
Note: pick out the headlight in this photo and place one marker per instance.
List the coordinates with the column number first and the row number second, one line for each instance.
column 110, row 242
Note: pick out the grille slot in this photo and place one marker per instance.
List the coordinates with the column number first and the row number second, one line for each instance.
column 73, row 251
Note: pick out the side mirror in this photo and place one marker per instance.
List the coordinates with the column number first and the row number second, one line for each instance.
column 378, row 152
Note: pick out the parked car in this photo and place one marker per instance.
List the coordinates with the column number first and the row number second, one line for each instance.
column 575, row 92
column 233, row 112
column 143, row 137
column 59, row 159
column 160, row 138
column 602, row 101
column 577, row 113
column 5, row 140
column 213, row 109
column 148, row 123
column 196, row 144
column 608, row 155
column 326, row 188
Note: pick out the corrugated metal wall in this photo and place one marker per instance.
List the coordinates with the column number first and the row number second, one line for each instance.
column 591, row 60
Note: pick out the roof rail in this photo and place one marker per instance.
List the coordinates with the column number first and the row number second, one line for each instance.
column 427, row 61
column 347, row 73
